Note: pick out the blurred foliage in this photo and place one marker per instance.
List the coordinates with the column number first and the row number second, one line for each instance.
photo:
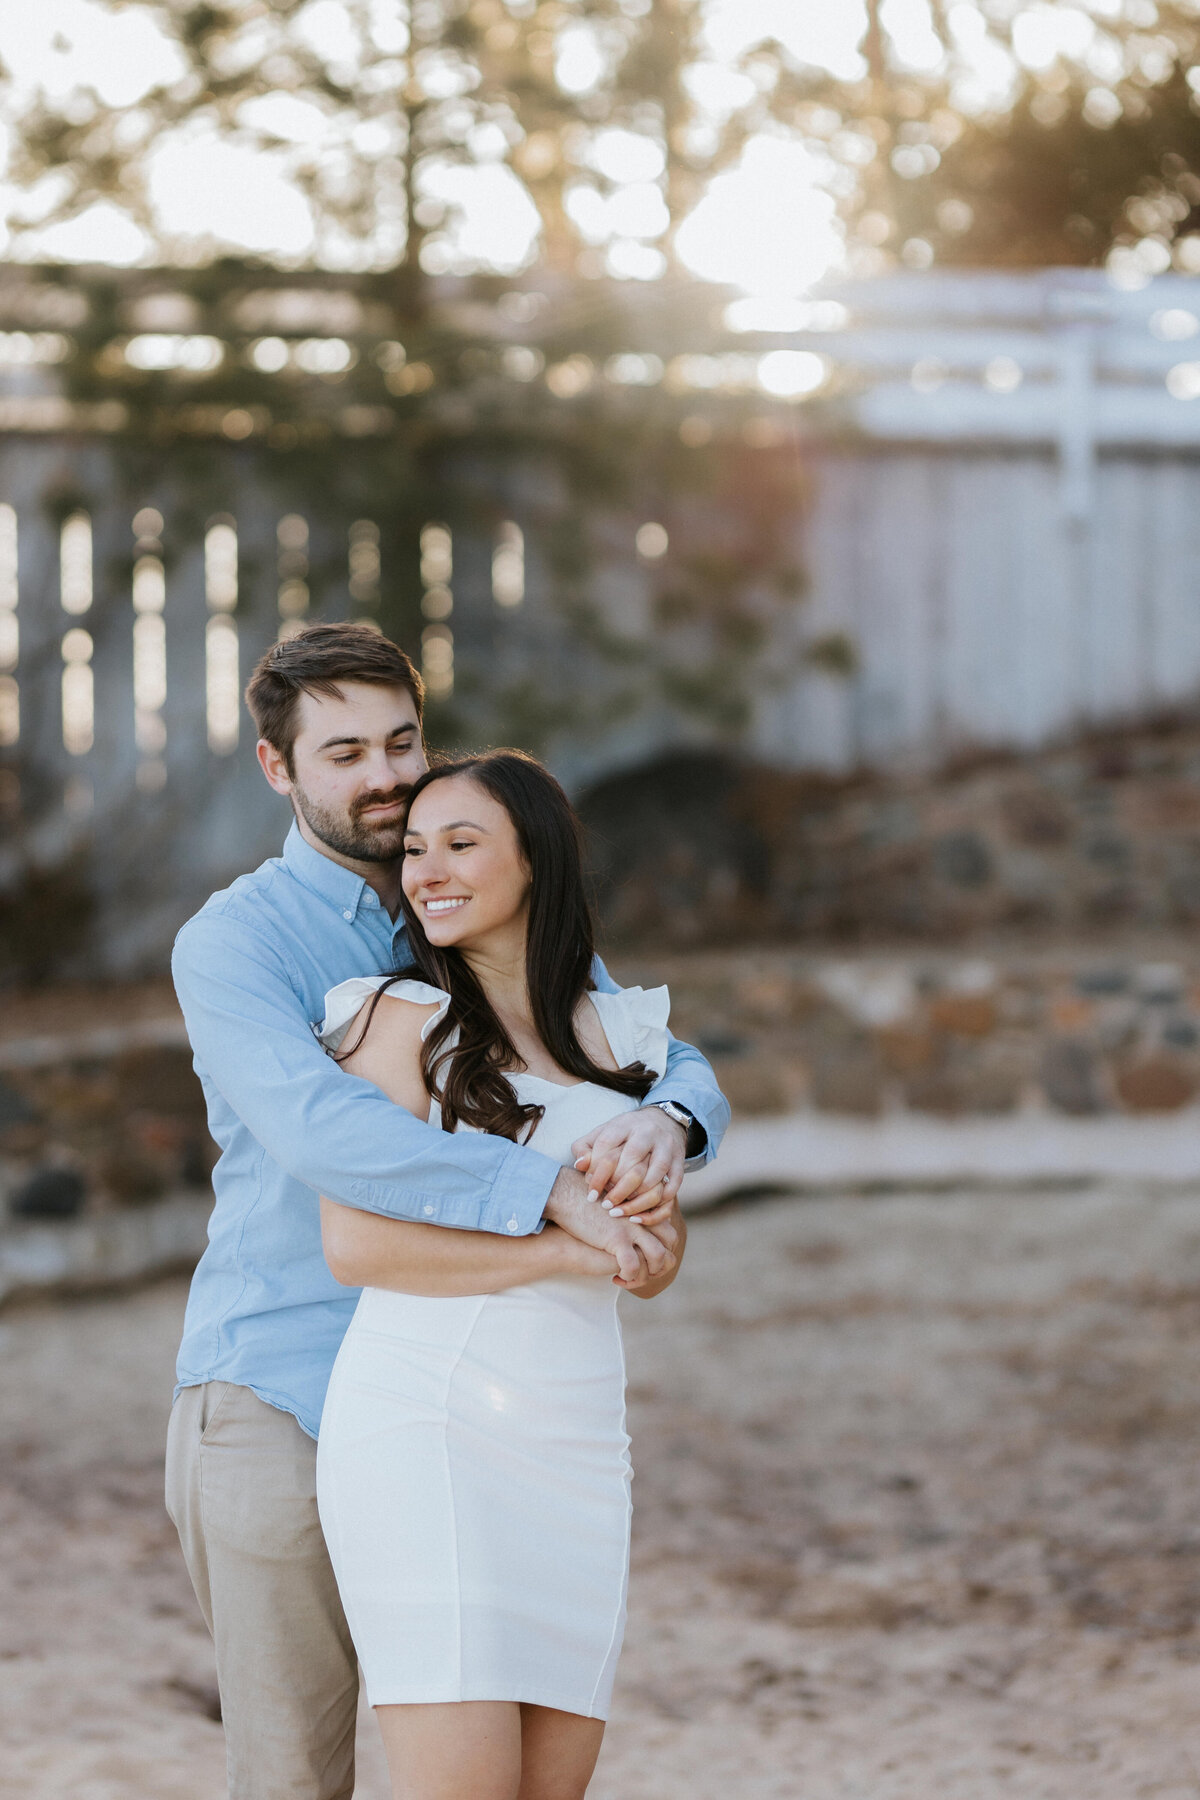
column 456, row 81
column 1089, row 153
column 1058, row 163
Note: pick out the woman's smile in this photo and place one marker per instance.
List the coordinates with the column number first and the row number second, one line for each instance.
column 443, row 905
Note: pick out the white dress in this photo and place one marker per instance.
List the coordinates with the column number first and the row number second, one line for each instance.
column 473, row 1468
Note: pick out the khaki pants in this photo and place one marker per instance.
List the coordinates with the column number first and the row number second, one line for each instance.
column 241, row 1490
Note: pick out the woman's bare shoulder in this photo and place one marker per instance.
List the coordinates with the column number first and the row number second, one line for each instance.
column 387, row 1047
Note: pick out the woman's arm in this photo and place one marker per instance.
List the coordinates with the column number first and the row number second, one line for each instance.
column 366, row 1250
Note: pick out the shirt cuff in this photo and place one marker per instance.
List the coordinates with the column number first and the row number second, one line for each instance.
column 517, row 1202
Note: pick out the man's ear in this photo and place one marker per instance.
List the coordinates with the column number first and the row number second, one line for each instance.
column 273, row 766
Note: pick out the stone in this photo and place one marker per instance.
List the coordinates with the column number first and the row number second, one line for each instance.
column 22, row 1133
column 906, row 1048
column 1069, row 1013
column 964, row 1015
column 722, row 1043
column 849, row 1084
column 131, row 1174
column 160, row 1080
column 1160, row 983
column 1036, row 818
column 1159, row 1083
column 761, row 1083
column 50, row 1194
column 963, row 1089
column 1102, row 981
column 963, row 859
column 1108, row 852
column 1070, row 1077
column 14, row 1107
column 871, row 994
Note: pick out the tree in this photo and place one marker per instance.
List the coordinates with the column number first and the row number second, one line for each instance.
column 1088, row 142
column 374, row 109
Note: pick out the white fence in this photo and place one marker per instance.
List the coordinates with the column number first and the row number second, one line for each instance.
column 1013, row 539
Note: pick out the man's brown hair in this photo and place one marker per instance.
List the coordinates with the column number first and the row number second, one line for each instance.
column 316, row 661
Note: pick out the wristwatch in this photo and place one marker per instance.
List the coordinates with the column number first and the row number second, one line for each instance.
column 680, row 1114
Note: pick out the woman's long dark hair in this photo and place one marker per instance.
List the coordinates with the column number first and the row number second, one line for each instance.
column 467, row 1078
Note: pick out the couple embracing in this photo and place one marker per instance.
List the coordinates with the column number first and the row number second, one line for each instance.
column 448, row 1140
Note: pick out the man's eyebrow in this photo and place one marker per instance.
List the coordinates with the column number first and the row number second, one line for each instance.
column 456, row 825
column 395, row 732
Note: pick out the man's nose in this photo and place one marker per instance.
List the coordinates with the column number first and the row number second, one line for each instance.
column 378, row 771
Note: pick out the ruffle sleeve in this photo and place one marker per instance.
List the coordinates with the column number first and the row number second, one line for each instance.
column 344, row 1002
column 635, row 1024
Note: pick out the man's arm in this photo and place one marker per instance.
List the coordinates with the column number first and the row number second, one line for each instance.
column 333, row 1131
column 642, row 1155
column 688, row 1080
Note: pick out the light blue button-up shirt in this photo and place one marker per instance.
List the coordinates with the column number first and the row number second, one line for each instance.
column 252, row 969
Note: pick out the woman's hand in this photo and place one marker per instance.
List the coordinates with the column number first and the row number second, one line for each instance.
column 651, row 1207
column 633, row 1154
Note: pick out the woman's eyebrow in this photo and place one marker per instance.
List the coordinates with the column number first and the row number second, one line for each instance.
column 455, row 825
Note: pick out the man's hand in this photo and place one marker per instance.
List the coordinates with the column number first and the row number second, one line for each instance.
column 641, row 1254
column 639, row 1154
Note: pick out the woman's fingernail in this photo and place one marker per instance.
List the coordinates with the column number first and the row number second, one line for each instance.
column 594, row 1194
column 634, row 1219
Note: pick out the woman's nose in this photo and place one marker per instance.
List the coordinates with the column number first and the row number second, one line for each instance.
column 432, row 873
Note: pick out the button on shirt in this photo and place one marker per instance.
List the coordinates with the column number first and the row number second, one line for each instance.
column 252, row 969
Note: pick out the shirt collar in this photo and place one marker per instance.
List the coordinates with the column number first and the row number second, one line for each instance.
column 341, row 887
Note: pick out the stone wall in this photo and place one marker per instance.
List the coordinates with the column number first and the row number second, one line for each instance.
column 1103, row 833
column 104, row 1114
column 1074, row 1032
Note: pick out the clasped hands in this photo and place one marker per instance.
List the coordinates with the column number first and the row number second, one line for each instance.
column 622, row 1196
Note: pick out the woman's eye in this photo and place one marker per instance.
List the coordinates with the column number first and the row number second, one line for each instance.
column 462, row 844
column 411, row 850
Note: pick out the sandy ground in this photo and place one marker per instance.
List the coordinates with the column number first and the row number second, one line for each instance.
column 917, row 1514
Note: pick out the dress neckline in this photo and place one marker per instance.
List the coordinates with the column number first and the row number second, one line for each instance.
column 544, row 1080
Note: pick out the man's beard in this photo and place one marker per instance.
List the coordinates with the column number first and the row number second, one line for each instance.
column 348, row 833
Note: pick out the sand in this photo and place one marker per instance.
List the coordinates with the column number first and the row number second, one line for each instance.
column 917, row 1513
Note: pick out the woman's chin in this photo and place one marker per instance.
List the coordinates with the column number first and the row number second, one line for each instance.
column 446, row 936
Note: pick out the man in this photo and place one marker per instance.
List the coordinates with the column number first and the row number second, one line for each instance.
column 338, row 710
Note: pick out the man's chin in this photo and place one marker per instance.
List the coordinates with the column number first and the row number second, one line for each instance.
column 380, row 844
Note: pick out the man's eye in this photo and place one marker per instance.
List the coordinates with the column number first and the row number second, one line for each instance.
column 344, row 759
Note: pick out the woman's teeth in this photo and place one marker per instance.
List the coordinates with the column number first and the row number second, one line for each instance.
column 443, row 906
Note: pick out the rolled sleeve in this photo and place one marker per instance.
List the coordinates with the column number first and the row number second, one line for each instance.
column 688, row 1080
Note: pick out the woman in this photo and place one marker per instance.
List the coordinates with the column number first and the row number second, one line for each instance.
column 473, row 1471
